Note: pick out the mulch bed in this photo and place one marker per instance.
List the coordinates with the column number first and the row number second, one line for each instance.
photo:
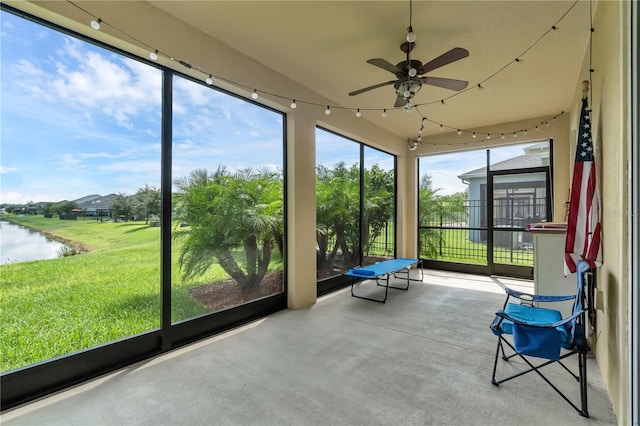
column 225, row 294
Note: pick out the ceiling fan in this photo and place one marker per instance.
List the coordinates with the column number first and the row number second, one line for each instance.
column 409, row 73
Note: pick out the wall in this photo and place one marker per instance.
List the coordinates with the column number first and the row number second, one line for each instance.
column 610, row 105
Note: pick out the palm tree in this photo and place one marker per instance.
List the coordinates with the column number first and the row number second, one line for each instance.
column 225, row 212
column 434, row 210
column 337, row 215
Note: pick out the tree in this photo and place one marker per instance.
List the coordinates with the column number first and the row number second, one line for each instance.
column 337, row 215
column 434, row 211
column 65, row 207
column 225, row 212
column 148, row 202
column 123, row 206
column 379, row 203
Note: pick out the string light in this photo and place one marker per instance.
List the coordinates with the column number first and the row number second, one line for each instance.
column 441, row 128
column 488, row 136
column 501, row 135
column 96, row 24
column 358, row 113
column 515, row 135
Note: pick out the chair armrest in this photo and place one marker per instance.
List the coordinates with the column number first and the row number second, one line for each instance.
column 536, row 297
column 520, row 321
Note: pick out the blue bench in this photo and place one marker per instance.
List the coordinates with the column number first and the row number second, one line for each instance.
column 381, row 271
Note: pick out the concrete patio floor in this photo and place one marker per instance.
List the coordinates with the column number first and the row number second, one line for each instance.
column 425, row 357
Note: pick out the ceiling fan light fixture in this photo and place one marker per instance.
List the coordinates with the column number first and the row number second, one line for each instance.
column 408, row 88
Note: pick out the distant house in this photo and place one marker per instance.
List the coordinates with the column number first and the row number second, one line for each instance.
column 96, row 205
column 518, row 199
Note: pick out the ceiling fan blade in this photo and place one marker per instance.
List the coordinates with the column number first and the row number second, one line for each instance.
column 400, row 101
column 375, row 86
column 453, row 55
column 446, row 83
column 385, row 65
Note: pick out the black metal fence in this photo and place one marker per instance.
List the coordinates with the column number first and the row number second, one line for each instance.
column 457, row 232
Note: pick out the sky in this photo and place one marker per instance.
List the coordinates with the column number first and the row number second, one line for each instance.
column 76, row 119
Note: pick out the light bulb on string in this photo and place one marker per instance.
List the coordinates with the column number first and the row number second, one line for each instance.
column 459, row 132
column 358, row 113
column 488, row 136
column 293, row 104
column 474, row 135
column 154, row 55
column 384, row 113
column 209, row 80
column 515, row 134
column 411, row 36
column 95, row 24
column 328, row 110
column 441, row 128
column 254, row 95
column 502, row 136
column 537, row 129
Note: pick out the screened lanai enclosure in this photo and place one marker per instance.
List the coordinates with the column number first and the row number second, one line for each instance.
column 477, row 219
column 355, row 204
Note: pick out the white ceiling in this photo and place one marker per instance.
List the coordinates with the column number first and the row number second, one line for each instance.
column 324, row 45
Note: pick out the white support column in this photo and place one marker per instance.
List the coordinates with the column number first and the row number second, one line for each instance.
column 301, row 213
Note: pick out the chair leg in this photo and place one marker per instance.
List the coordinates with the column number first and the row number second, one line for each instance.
column 582, row 361
column 582, row 366
column 495, row 361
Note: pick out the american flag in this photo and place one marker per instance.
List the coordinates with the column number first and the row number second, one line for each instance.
column 583, row 228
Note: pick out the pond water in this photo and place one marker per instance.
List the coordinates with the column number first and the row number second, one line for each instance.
column 18, row 244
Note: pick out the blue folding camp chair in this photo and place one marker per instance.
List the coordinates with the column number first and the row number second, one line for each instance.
column 543, row 333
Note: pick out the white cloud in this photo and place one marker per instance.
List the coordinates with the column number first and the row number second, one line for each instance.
column 7, row 169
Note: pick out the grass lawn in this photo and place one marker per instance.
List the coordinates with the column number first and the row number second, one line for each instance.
column 59, row 306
